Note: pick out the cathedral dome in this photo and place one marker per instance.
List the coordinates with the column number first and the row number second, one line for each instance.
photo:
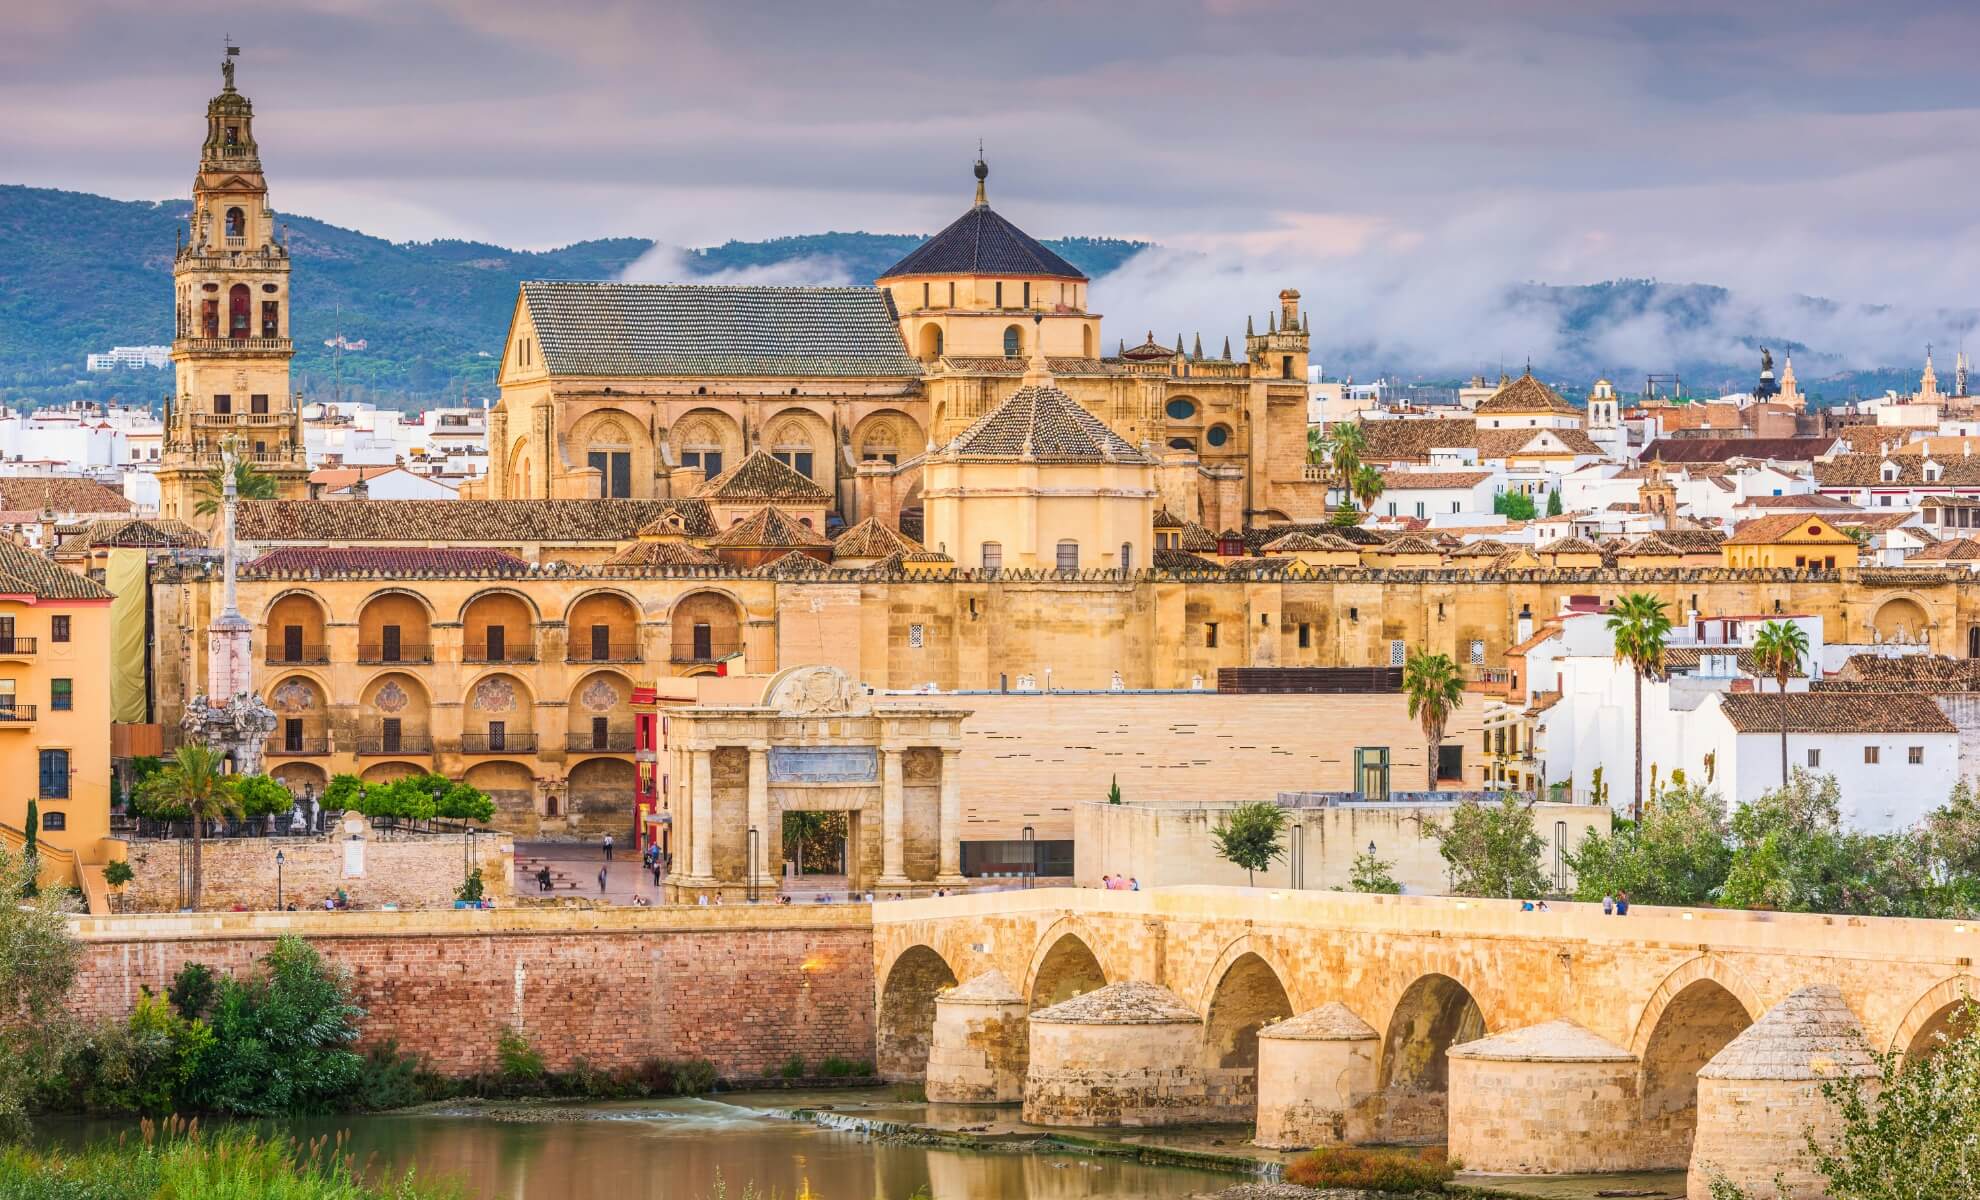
column 982, row 243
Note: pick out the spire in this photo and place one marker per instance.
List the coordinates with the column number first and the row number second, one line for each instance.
column 982, row 173
column 1179, row 349
column 1227, row 347
column 1928, row 383
column 1197, row 354
column 1271, row 323
column 1248, row 332
column 1959, row 374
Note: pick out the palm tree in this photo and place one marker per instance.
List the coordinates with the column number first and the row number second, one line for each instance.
column 1778, row 650
column 194, row 782
column 1435, row 687
column 1640, row 627
column 249, row 483
column 1346, row 446
column 1319, row 447
column 1365, row 486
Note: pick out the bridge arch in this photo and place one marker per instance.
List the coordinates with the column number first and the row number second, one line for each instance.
column 1063, row 966
column 1936, row 1012
column 1245, row 992
column 1413, row 1073
column 907, row 1012
column 1693, row 1014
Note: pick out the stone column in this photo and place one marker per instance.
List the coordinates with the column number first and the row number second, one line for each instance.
column 893, row 831
column 701, row 824
column 948, row 830
column 759, row 816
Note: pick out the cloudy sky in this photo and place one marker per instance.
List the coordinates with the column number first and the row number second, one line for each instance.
column 1407, row 157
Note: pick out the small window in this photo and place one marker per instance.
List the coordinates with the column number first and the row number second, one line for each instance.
column 1305, row 636
column 258, row 405
column 54, row 774
column 1180, row 410
column 1814, row 758
column 54, row 822
column 1916, row 756
column 1218, row 435
column 916, row 637
column 62, row 694
column 1210, row 634
column 993, row 556
column 1181, row 444
column 1013, row 340
column 58, row 629
column 1000, row 302
column 1476, row 652
column 1027, row 295
column 1450, row 762
column 223, row 404
column 1354, row 614
column 1870, row 755
column 1398, row 652
column 1127, row 556
column 1069, row 555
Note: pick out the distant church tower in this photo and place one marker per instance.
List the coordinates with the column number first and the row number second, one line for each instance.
column 1928, row 383
column 231, row 339
column 1791, row 390
column 1603, row 407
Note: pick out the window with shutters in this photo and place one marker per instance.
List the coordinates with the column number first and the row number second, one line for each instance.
column 1814, row 757
column 1870, row 755
column 1069, row 555
column 1916, row 755
column 58, row 629
column 62, row 694
column 993, row 556
column 54, row 822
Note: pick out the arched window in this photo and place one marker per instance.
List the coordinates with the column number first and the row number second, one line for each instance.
column 1085, row 338
column 1973, row 642
column 1013, row 342
column 1218, row 435
column 236, row 223
column 1181, row 444
column 1069, row 555
column 1180, row 410
column 931, row 342
column 238, row 299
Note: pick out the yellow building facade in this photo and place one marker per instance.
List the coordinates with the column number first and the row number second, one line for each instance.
column 1790, row 541
column 231, row 346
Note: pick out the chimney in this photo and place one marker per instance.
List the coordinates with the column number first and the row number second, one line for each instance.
column 1524, row 630
column 360, row 490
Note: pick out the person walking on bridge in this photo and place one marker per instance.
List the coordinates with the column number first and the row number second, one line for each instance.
column 607, row 844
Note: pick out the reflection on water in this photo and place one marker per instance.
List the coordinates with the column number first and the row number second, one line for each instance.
column 678, row 1149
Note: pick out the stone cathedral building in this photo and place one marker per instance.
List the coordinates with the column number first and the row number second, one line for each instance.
column 230, row 340
column 650, row 390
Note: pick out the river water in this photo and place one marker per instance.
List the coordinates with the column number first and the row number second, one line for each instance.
column 709, row 1150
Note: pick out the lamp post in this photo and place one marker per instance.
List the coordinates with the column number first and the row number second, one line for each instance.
column 1030, row 838
column 279, row 860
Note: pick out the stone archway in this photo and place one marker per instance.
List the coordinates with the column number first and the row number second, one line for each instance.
column 1696, row 1023
column 907, row 1013
column 1248, row 996
column 1901, row 619
column 513, row 790
column 1938, row 1015
column 600, row 799
column 1067, row 968
column 1434, row 1014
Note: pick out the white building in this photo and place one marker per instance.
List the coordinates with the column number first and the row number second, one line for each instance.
column 133, row 358
column 447, row 443
column 1434, row 493
column 376, row 483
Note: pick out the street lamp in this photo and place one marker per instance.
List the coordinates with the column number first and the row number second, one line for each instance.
column 1029, row 838
column 279, row 860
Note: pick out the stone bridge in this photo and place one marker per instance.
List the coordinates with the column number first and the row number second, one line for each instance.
column 1579, row 1039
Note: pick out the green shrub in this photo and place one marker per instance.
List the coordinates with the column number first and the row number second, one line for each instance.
column 521, row 1063
column 193, row 990
column 835, row 1067
column 260, row 796
column 137, row 1065
column 118, row 873
column 393, row 1078
column 694, row 1077
column 794, row 1067
column 281, row 1039
column 180, row 1161
column 1371, row 1170
column 471, row 889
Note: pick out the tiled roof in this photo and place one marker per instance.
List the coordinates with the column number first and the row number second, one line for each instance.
column 1712, row 450
column 645, row 553
column 1570, row 545
column 1044, row 424
column 62, row 494
column 795, row 565
column 1834, row 712
column 1963, row 549
column 981, row 242
column 1410, row 440
column 1408, row 544
column 1940, row 447
column 1196, row 538
column 762, row 477
column 344, row 560
column 1906, row 672
column 1164, row 519
column 146, row 532
column 1693, row 541
column 1542, row 701
column 1296, row 541
column 26, row 573
column 984, row 364
column 1526, row 395
column 459, row 520
column 1812, row 502
column 666, row 329
column 767, row 526
column 1768, row 531
column 1181, row 560
column 1482, row 548
column 1397, row 480
column 1871, row 439
column 871, row 539
column 1688, row 658
column 1866, row 470
column 1648, row 546
column 1503, row 443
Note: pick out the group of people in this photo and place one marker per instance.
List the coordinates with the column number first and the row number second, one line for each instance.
column 1616, row 905
column 1120, row 883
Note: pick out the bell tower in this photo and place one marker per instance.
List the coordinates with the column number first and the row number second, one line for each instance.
column 231, row 341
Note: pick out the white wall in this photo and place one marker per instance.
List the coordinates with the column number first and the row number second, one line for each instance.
column 1882, row 797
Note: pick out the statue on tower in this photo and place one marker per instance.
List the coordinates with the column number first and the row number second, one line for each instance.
column 227, row 66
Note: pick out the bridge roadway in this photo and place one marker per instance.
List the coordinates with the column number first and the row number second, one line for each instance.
column 1671, row 987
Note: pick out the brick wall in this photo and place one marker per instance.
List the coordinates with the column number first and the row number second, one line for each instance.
column 409, row 871
column 742, row 987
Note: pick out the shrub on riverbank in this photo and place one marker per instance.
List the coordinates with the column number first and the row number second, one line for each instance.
column 1371, row 1170
column 178, row 1161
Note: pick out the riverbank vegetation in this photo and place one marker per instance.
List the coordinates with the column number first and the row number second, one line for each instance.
column 1401, row 1171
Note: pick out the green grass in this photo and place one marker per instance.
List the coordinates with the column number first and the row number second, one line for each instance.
column 177, row 1161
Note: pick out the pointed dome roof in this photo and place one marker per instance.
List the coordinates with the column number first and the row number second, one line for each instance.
column 1810, row 1035
column 1129, row 1002
column 982, row 243
column 762, row 476
column 1331, row 1022
column 767, row 527
column 1526, row 395
column 1554, row 1041
column 1040, row 422
column 872, row 539
column 991, row 987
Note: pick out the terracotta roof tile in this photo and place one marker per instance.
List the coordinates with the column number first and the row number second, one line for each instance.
column 768, row 526
column 346, row 560
column 62, row 494
column 1526, row 395
column 1413, row 440
column 1715, row 450
column 145, row 532
column 795, row 565
column 1179, row 560
column 765, row 478
column 470, row 521
column 1395, row 480
column 872, row 539
column 1768, row 531
column 1044, row 424
column 647, row 553
column 26, row 573
column 1834, row 712
column 1866, row 470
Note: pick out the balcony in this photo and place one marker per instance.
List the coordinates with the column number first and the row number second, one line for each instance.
column 296, row 748
column 240, row 345
column 507, row 743
column 617, row 652
column 409, row 653
column 706, row 652
column 233, row 420
column 288, row 656
column 501, row 654
column 16, row 647
column 377, row 745
column 616, row 741
column 16, row 716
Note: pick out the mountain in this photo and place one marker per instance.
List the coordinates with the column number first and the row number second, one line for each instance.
column 81, row 273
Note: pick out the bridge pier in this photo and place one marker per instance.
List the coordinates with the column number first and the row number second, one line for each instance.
column 1127, row 1054
column 1310, row 1070
column 1551, row 1099
column 980, row 1045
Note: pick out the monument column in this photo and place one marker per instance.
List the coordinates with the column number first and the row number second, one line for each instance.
column 893, row 833
column 758, row 870
column 948, row 830
column 701, row 825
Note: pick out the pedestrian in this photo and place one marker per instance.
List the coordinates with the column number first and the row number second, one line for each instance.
column 601, row 881
column 608, row 847
column 1526, row 906
column 655, row 864
column 1107, row 881
column 1542, row 906
column 1622, row 904
column 543, row 879
column 1134, row 885
column 1608, row 905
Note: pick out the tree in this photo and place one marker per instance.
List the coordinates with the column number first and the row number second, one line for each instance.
column 38, row 962
column 1346, row 443
column 1778, row 650
column 1435, row 688
column 1513, row 506
column 1678, row 854
column 1347, row 515
column 1492, row 849
column 193, row 786
column 249, row 484
column 281, row 1038
column 1640, row 627
column 1554, row 503
column 1366, row 486
column 1790, row 853
column 1248, row 836
column 1373, row 874
column 260, row 796
column 1910, row 1133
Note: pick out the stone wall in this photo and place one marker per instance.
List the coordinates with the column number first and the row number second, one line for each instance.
column 745, row 988
column 411, row 871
